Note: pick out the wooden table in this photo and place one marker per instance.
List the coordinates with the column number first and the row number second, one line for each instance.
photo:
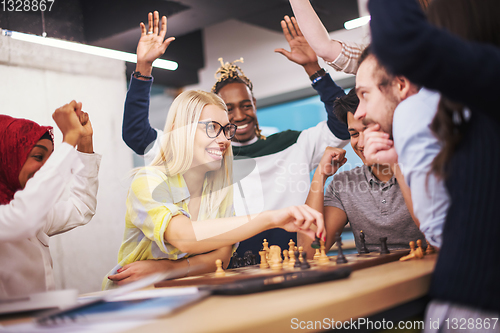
column 365, row 293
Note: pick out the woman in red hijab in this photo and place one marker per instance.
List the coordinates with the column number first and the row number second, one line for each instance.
column 19, row 138
column 32, row 179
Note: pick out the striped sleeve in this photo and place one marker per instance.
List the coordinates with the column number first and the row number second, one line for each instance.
column 347, row 61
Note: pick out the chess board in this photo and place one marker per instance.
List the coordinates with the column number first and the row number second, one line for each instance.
column 355, row 262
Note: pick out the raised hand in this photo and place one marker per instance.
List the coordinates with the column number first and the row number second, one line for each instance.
column 332, row 160
column 85, row 144
column 300, row 51
column 152, row 44
column 379, row 148
column 67, row 119
column 300, row 219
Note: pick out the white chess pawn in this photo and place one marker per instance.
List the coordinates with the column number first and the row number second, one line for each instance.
column 219, row 272
column 263, row 260
column 316, row 255
column 286, row 260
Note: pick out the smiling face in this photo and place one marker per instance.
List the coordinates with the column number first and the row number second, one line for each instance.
column 36, row 159
column 241, row 110
column 377, row 98
column 208, row 152
column 356, row 128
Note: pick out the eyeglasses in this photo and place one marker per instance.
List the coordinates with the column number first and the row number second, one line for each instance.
column 213, row 129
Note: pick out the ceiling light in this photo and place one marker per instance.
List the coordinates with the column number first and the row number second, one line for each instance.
column 88, row 49
column 356, row 23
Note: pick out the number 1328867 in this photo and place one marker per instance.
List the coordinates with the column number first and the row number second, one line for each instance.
column 26, row 5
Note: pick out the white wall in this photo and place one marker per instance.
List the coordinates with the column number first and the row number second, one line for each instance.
column 34, row 81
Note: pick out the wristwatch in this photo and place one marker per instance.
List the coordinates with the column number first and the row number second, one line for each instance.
column 137, row 75
column 319, row 73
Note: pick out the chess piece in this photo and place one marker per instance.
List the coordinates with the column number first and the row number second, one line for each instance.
column 297, row 261
column 316, row 255
column 275, row 250
column 414, row 253
column 304, row 264
column 219, row 272
column 315, row 244
column 247, row 258
column 286, row 260
column 430, row 249
column 340, row 256
column 363, row 248
column 275, row 263
column 263, row 260
column 235, row 260
column 383, row 246
column 291, row 264
column 323, row 258
column 254, row 259
column 291, row 246
column 301, row 249
column 419, row 251
column 412, row 247
column 265, row 247
column 275, row 258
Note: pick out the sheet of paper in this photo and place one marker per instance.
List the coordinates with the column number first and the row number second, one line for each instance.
column 109, row 327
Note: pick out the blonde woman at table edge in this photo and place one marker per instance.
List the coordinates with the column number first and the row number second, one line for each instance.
column 181, row 207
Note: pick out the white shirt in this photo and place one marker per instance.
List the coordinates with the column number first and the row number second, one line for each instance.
column 37, row 212
column 417, row 147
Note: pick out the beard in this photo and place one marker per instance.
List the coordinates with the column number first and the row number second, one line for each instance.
column 392, row 102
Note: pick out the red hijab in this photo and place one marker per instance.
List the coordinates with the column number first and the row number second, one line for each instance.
column 17, row 139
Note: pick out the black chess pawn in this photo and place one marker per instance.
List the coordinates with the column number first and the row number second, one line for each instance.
column 383, row 246
column 304, row 264
column 315, row 244
column 235, row 260
column 247, row 258
column 363, row 248
column 241, row 263
column 297, row 260
column 340, row 256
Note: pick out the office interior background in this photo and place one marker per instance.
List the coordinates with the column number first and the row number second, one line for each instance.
column 37, row 79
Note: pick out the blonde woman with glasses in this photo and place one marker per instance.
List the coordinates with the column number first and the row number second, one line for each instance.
column 181, row 207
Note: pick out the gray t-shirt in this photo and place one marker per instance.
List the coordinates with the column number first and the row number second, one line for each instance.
column 376, row 208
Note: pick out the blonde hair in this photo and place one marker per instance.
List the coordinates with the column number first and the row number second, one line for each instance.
column 176, row 151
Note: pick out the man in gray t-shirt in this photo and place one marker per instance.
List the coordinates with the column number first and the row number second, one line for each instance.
column 368, row 197
column 378, row 208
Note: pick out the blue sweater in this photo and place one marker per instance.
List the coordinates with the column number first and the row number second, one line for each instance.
column 138, row 134
column 468, row 268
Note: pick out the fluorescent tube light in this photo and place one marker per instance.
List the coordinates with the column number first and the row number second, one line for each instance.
column 88, row 49
column 356, row 23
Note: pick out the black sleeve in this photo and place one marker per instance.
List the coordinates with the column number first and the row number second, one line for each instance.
column 328, row 91
column 136, row 130
column 408, row 45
